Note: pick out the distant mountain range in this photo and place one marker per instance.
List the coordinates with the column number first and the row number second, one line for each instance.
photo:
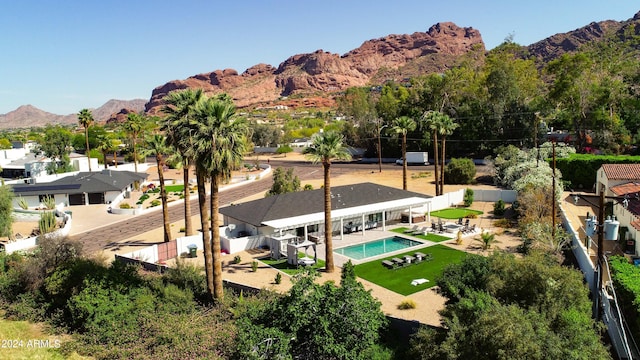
column 313, row 79
column 28, row 116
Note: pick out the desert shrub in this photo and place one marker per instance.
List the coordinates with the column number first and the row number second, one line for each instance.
column 237, row 259
column 155, row 202
column 187, row 276
column 460, row 171
column 468, row 197
column 499, row 208
column 125, row 206
column 407, row 304
column 502, row 223
column 142, row 199
column 254, row 266
column 307, row 187
column 278, row 278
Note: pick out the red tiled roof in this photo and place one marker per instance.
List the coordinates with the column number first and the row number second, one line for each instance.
column 627, row 188
column 636, row 224
column 622, row 171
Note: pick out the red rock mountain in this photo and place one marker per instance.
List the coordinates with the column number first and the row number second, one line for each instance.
column 374, row 62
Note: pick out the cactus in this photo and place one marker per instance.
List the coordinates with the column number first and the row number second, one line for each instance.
column 22, row 202
column 48, row 222
column 49, row 202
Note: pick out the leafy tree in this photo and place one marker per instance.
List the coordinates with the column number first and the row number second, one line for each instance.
column 265, row 135
column 156, row 145
column 344, row 323
column 5, row 143
column 502, row 307
column 402, row 126
column 468, row 197
column 6, row 211
column 85, row 118
column 56, row 145
column 284, row 181
column 358, row 106
column 460, row 171
column 446, row 127
column 284, row 149
column 326, row 147
column 432, row 121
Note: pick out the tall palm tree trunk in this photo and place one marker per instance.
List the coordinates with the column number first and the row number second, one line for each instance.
column 115, row 158
column 328, row 238
column 404, row 162
column 135, row 155
column 435, row 159
column 215, row 238
column 104, row 159
column 163, row 198
column 442, row 166
column 86, row 138
column 188, row 224
column 206, row 235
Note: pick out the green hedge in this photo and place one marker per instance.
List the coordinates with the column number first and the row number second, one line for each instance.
column 580, row 169
column 626, row 280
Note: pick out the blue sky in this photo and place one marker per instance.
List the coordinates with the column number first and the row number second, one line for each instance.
column 62, row 56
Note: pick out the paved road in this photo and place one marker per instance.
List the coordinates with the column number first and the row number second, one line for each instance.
column 109, row 236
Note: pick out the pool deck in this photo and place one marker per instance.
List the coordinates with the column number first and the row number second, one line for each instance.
column 377, row 234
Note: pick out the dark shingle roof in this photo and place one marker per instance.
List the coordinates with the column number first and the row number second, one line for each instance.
column 308, row 202
column 83, row 182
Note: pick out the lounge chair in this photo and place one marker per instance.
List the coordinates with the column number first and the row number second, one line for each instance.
column 417, row 282
column 398, row 261
column 423, row 257
column 420, row 231
column 414, row 228
column 440, row 228
column 389, row 264
column 466, row 222
column 460, row 221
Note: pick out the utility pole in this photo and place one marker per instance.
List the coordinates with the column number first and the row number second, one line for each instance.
column 553, row 193
column 600, row 252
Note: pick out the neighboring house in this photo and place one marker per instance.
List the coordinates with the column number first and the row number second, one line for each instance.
column 357, row 207
column 83, row 188
column 301, row 142
column 28, row 165
column 623, row 181
column 79, row 162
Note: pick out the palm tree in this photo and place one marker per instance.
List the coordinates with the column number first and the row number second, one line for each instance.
column 447, row 126
column 179, row 109
column 105, row 146
column 432, row 121
column 220, row 142
column 486, row 239
column 325, row 147
column 85, row 118
column 156, row 145
column 401, row 126
column 134, row 125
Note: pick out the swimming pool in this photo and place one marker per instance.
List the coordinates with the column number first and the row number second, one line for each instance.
column 376, row 247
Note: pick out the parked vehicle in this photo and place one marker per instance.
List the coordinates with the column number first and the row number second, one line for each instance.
column 416, row 158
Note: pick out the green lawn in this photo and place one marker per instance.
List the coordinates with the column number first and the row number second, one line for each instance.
column 290, row 270
column 430, row 237
column 399, row 280
column 20, row 342
column 455, row 213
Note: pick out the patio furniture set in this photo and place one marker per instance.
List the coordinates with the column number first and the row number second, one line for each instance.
column 406, row 260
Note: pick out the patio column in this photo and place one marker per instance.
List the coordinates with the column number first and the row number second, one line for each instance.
column 429, row 211
column 341, row 228
column 410, row 215
column 384, row 220
column 363, row 225
column 306, row 234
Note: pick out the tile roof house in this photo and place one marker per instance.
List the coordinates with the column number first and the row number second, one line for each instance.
column 623, row 181
column 84, row 188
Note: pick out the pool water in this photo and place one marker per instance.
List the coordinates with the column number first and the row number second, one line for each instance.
column 376, row 247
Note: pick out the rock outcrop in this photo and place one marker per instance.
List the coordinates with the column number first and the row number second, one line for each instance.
column 325, row 72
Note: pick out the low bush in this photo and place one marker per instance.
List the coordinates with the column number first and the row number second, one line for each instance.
column 499, row 208
column 237, row 259
column 155, row 203
column 468, row 197
column 407, row 304
column 254, row 266
column 125, row 206
column 460, row 171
